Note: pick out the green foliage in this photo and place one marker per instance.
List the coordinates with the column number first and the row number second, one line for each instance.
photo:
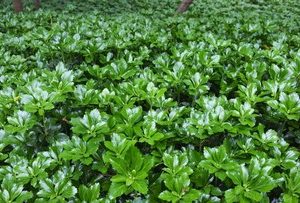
column 89, row 194
column 132, row 172
column 57, row 189
column 13, row 192
column 217, row 162
column 251, row 183
column 91, row 125
column 176, row 179
column 292, row 187
column 123, row 101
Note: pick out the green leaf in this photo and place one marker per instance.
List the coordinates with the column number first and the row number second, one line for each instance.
column 168, row 196
column 140, row 186
column 287, row 198
column 191, row 196
column 89, row 194
column 119, row 165
column 256, row 196
column 116, row 190
column 230, row 196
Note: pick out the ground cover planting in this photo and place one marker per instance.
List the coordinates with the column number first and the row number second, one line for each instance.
column 129, row 101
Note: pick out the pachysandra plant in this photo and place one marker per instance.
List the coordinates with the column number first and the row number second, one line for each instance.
column 251, row 183
column 93, row 124
column 292, row 185
column 132, row 103
column 57, row 189
column 217, row 161
column 176, row 179
column 13, row 192
column 132, row 172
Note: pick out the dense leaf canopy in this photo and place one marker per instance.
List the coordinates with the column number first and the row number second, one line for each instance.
column 129, row 101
